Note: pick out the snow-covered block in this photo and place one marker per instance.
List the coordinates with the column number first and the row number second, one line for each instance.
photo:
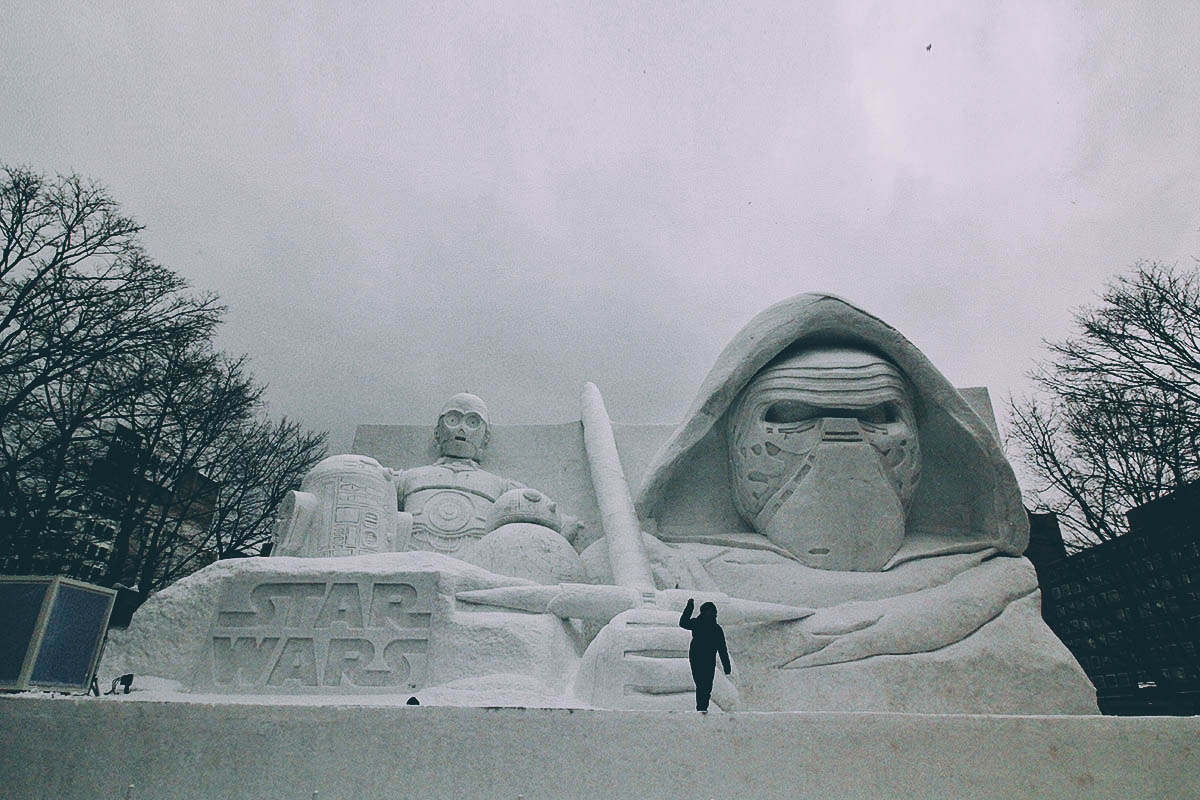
column 380, row 624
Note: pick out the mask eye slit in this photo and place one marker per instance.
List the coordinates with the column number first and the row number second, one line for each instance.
column 790, row 412
column 878, row 414
column 783, row 412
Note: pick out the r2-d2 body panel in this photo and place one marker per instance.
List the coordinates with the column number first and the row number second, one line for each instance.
column 346, row 506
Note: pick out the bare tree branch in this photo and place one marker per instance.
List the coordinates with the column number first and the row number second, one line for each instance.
column 111, row 393
column 1118, row 424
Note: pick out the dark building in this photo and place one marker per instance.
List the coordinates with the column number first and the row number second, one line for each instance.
column 1045, row 540
column 1129, row 608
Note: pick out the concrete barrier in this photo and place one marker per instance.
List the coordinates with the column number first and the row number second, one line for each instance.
column 66, row 748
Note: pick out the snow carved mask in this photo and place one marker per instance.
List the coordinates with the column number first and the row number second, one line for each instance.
column 825, row 457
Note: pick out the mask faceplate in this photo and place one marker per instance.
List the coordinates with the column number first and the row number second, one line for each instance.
column 825, row 457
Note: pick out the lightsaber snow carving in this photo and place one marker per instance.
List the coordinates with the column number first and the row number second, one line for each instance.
column 626, row 553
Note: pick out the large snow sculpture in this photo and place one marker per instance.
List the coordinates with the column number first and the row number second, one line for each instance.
column 852, row 517
column 827, row 464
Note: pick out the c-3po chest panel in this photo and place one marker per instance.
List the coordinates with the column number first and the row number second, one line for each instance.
column 450, row 505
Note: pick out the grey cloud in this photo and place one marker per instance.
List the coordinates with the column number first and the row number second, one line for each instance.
column 399, row 202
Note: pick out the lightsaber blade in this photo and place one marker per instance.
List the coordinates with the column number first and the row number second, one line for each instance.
column 626, row 550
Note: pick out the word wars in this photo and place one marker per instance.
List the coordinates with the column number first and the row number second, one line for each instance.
column 308, row 636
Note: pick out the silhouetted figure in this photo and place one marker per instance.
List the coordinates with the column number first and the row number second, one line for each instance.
column 708, row 640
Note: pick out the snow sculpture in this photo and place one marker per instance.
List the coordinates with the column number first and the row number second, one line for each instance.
column 524, row 541
column 824, row 457
column 827, row 464
column 852, row 517
column 350, row 505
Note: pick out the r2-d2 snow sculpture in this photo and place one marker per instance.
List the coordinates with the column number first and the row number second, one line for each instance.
column 345, row 507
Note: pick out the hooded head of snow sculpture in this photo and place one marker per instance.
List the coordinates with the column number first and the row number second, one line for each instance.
column 825, row 434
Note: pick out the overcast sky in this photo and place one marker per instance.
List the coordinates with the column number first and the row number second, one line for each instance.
column 398, row 201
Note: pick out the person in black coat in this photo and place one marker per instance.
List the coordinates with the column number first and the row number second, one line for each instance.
column 708, row 640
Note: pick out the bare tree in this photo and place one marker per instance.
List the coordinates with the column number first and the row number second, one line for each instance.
column 111, row 394
column 1117, row 422
column 266, row 460
column 198, row 399
column 211, row 471
column 76, row 288
column 79, row 301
